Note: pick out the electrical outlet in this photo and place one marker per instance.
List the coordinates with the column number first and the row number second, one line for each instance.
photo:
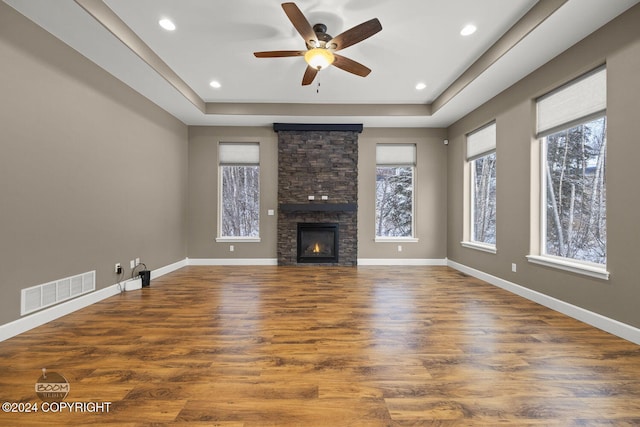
column 132, row 263
column 137, row 262
column 118, row 268
column 514, row 267
column 399, row 248
column 231, row 248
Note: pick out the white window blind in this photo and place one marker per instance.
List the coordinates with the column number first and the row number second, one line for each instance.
column 396, row 154
column 579, row 100
column 481, row 141
column 245, row 153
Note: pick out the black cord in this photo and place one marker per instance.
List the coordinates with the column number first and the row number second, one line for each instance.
column 134, row 269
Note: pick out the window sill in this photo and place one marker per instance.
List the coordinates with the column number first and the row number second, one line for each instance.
column 396, row 239
column 591, row 270
column 484, row 247
column 238, row 239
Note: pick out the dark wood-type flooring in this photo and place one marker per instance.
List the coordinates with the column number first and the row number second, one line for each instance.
column 325, row 346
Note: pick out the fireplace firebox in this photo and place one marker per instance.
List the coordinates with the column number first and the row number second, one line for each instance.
column 318, row 242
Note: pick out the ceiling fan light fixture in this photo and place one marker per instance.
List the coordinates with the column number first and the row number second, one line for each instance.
column 319, row 58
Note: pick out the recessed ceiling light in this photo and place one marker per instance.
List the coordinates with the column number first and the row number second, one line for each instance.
column 167, row 24
column 215, row 84
column 468, row 30
column 421, row 86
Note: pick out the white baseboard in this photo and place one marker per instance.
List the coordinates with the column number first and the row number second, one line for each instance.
column 401, row 261
column 169, row 268
column 133, row 284
column 274, row 261
column 599, row 321
column 232, row 261
column 11, row 329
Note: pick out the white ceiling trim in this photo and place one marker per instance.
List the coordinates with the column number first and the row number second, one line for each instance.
column 545, row 30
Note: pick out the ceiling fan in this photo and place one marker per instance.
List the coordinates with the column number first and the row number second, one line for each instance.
column 321, row 46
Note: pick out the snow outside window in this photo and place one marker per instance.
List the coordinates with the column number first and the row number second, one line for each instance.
column 395, row 175
column 574, row 191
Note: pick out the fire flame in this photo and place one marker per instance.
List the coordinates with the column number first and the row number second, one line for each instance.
column 316, row 249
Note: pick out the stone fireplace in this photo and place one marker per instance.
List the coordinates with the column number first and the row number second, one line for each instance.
column 317, row 187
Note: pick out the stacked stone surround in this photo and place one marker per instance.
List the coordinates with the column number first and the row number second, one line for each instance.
column 317, row 163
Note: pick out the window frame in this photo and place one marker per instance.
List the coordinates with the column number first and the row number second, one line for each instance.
column 469, row 211
column 414, row 172
column 537, row 251
column 220, row 238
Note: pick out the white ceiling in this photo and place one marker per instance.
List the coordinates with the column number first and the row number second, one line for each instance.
column 420, row 42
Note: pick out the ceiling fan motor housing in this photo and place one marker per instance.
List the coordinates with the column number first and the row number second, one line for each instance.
column 322, row 36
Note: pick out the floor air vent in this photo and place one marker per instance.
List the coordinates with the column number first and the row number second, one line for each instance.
column 47, row 294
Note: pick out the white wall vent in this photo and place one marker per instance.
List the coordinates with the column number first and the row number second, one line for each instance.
column 47, row 294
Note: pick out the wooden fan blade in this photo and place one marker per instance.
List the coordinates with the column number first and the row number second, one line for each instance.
column 300, row 22
column 356, row 34
column 350, row 66
column 279, row 53
column 309, row 75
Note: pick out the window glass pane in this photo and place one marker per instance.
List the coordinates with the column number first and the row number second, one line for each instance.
column 484, row 199
column 240, row 201
column 575, row 192
column 394, row 201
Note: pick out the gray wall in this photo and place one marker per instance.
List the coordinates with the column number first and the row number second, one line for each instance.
column 91, row 173
column 617, row 44
column 431, row 216
column 203, row 192
column 430, row 197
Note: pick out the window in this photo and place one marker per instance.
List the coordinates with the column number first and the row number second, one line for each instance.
column 481, row 155
column 572, row 129
column 395, row 176
column 239, row 195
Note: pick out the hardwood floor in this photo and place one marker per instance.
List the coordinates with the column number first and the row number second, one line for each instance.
column 325, row 346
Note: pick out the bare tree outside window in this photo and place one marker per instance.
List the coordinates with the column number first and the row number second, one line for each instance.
column 575, row 192
column 394, row 201
column 484, row 199
column 240, row 201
